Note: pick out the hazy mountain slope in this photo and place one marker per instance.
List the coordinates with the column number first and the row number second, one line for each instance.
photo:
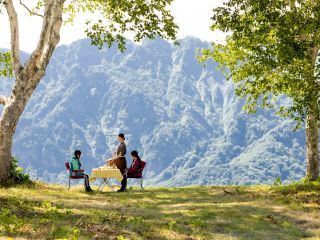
column 183, row 118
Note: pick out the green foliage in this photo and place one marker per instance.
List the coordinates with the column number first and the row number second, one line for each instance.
column 140, row 18
column 6, row 69
column 271, row 51
column 302, row 187
column 16, row 175
column 116, row 19
column 9, row 222
column 277, row 182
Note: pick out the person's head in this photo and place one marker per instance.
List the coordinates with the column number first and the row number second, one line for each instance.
column 77, row 154
column 121, row 137
column 135, row 155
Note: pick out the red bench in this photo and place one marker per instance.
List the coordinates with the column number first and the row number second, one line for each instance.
column 73, row 173
column 139, row 175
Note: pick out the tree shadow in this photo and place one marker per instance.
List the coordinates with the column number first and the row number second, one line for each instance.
column 157, row 214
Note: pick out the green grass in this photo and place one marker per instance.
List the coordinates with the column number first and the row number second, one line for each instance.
column 261, row 212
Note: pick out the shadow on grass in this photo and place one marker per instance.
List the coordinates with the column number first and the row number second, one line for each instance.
column 202, row 214
column 179, row 213
column 240, row 222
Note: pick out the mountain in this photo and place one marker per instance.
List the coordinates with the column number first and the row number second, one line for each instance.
column 182, row 117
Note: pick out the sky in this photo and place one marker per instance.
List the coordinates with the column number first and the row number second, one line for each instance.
column 192, row 16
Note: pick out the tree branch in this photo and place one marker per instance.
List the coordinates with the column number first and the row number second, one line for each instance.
column 50, row 33
column 29, row 10
column 3, row 100
column 14, row 29
column 53, row 37
column 49, row 39
column 46, row 28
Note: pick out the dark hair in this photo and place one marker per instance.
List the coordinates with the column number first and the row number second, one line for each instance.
column 77, row 152
column 134, row 153
column 122, row 136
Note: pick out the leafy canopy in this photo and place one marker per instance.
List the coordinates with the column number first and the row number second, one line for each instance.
column 114, row 20
column 271, row 50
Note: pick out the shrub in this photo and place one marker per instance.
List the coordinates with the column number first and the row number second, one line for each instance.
column 16, row 175
column 301, row 186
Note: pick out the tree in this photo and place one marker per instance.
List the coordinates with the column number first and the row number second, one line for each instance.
column 271, row 50
column 143, row 18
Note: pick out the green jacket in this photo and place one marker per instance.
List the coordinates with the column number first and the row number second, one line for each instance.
column 75, row 165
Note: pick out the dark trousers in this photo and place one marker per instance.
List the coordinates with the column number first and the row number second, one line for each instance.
column 86, row 180
column 124, row 183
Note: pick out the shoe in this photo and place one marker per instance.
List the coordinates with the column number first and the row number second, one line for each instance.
column 88, row 189
column 120, row 190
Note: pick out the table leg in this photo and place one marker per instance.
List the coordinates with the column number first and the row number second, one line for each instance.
column 109, row 184
column 103, row 184
column 106, row 182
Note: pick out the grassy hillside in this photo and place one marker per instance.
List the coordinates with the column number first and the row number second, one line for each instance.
column 52, row 212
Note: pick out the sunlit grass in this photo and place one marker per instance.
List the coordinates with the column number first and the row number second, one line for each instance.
column 52, row 212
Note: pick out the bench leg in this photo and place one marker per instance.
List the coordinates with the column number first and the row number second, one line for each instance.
column 141, row 181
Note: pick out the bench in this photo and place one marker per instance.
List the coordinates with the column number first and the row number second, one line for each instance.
column 73, row 174
column 139, row 174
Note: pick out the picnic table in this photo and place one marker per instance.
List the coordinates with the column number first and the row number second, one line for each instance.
column 106, row 173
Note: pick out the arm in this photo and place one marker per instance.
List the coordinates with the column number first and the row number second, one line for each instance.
column 71, row 166
column 135, row 166
column 75, row 167
column 79, row 163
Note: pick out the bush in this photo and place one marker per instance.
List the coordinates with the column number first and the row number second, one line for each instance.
column 297, row 187
column 277, row 182
column 16, row 175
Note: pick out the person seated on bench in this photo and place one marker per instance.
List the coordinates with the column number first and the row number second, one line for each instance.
column 75, row 164
column 134, row 170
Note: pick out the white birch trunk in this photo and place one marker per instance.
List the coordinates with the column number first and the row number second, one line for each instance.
column 27, row 77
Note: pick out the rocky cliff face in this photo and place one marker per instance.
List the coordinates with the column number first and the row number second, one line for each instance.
column 183, row 118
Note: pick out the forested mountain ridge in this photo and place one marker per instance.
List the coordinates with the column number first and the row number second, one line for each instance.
column 182, row 117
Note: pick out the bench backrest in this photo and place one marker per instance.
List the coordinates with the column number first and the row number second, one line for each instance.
column 67, row 166
column 143, row 164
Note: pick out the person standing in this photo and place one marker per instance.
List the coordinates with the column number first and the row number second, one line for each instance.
column 121, row 161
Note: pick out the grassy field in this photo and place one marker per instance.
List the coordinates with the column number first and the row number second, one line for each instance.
column 52, row 212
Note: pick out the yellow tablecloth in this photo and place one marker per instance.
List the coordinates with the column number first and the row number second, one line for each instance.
column 105, row 173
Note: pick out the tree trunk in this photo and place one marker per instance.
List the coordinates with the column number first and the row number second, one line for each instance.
column 8, row 123
column 27, row 76
column 312, row 137
column 5, row 154
column 7, row 129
